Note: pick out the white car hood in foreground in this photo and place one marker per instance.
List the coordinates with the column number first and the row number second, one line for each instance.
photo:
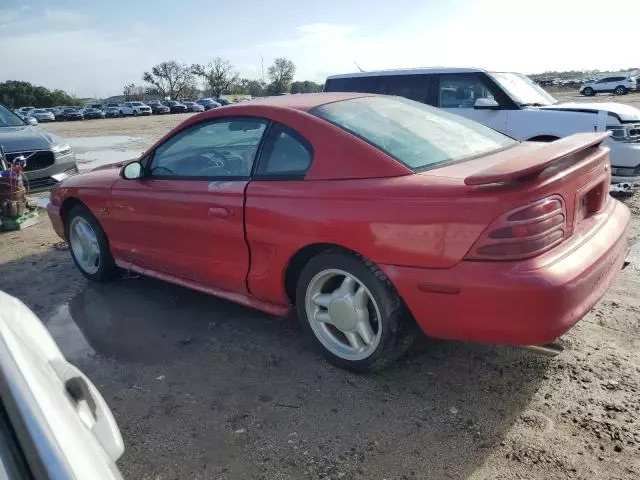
column 73, row 432
column 625, row 113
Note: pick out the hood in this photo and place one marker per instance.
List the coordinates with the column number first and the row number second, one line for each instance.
column 98, row 178
column 26, row 137
column 624, row 113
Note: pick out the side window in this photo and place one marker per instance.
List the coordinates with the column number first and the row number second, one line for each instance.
column 357, row 84
column 222, row 148
column 285, row 155
column 414, row 87
column 461, row 91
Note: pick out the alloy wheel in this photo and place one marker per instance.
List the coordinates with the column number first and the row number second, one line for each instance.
column 343, row 314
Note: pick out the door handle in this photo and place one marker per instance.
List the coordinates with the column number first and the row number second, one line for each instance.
column 219, row 212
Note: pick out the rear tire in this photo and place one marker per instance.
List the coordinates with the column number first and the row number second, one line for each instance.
column 359, row 324
column 89, row 245
column 620, row 90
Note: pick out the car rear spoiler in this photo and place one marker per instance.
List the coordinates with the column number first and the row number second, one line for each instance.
column 534, row 162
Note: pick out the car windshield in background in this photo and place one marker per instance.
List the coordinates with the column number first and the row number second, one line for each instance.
column 414, row 134
column 9, row 119
column 523, row 90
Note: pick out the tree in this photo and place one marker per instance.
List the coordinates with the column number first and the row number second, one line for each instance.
column 15, row 94
column 218, row 75
column 281, row 74
column 133, row 92
column 246, row 86
column 306, row 87
column 169, row 79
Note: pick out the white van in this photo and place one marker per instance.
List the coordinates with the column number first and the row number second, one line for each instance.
column 510, row 103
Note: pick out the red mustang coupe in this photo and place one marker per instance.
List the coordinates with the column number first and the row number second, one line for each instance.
column 369, row 214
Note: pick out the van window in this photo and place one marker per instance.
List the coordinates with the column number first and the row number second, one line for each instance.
column 414, row 87
column 461, row 91
column 357, row 84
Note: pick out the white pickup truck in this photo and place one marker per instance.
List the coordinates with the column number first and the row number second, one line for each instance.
column 510, row 103
column 135, row 109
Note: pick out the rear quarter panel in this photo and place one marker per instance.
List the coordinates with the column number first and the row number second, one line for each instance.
column 390, row 221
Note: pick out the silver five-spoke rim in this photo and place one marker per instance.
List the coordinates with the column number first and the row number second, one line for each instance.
column 84, row 245
column 343, row 314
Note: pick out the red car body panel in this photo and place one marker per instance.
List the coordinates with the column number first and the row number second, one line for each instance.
column 237, row 238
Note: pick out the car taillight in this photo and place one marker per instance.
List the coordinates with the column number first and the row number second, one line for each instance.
column 524, row 232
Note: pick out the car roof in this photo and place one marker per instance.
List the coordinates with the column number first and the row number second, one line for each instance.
column 303, row 101
column 407, row 71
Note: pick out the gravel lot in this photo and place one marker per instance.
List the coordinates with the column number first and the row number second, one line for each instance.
column 206, row 389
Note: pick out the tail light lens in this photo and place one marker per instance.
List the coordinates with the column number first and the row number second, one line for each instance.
column 524, row 232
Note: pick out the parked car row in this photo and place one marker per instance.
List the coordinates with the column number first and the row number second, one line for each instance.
column 34, row 115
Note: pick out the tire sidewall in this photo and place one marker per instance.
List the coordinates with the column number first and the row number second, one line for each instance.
column 107, row 264
column 389, row 304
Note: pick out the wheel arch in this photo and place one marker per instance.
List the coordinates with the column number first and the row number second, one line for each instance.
column 66, row 206
column 300, row 258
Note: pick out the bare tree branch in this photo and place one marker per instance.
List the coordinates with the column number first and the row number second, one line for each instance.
column 219, row 76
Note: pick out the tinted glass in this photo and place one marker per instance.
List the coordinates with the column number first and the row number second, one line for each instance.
column 285, row 153
column 414, row 87
column 13, row 465
column 461, row 91
column 224, row 148
column 357, row 84
column 8, row 118
column 414, row 134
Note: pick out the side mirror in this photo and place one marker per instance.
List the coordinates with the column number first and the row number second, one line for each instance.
column 132, row 171
column 486, row 104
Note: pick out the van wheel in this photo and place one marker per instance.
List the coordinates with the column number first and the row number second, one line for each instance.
column 589, row 92
column 620, row 90
column 352, row 312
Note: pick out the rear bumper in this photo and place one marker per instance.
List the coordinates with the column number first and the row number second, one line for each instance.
column 524, row 303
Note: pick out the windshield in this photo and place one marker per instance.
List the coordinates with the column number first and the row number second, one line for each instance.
column 414, row 134
column 523, row 90
column 8, row 118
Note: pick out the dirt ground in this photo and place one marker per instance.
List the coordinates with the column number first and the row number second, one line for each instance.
column 206, row 389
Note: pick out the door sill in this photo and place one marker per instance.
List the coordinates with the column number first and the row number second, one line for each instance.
column 241, row 298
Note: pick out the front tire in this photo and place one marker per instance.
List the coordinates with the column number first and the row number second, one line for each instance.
column 352, row 312
column 135, row 113
column 89, row 246
column 589, row 92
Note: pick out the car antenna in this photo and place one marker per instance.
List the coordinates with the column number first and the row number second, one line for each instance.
column 354, row 61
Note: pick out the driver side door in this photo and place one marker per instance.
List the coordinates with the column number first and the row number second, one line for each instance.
column 458, row 92
column 185, row 216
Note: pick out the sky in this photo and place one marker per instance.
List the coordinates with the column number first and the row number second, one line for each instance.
column 93, row 48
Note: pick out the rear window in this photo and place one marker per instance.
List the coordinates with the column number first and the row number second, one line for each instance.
column 415, row 134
